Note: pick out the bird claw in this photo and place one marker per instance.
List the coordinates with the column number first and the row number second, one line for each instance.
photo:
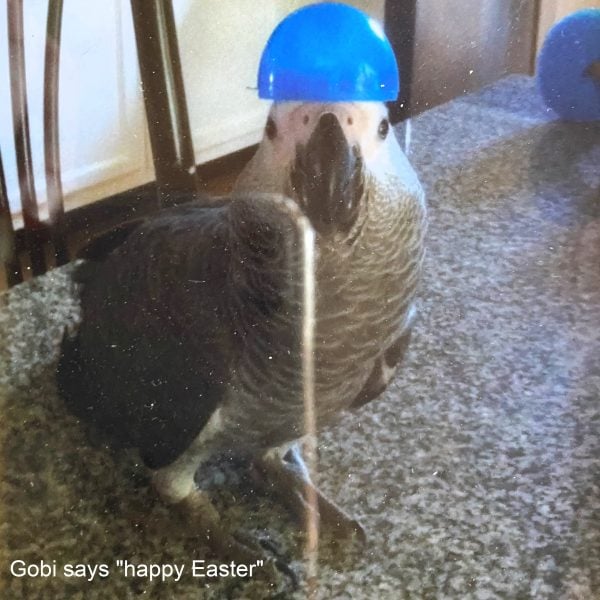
column 239, row 547
column 247, row 550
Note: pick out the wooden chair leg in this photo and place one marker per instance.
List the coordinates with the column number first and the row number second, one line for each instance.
column 51, row 132
column 8, row 250
column 164, row 98
column 18, row 93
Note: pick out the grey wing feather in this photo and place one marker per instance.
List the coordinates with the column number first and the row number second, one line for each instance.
column 152, row 356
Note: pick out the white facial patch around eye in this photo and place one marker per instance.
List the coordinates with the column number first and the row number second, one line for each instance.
column 376, row 152
column 360, row 121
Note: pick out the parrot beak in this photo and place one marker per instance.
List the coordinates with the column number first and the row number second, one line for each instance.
column 327, row 178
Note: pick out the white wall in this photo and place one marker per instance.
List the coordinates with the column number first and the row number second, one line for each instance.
column 104, row 142
column 102, row 136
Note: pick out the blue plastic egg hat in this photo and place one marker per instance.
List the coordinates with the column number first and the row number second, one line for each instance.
column 328, row 52
column 568, row 70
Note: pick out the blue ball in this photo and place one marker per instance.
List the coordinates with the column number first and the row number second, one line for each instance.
column 328, row 52
column 563, row 70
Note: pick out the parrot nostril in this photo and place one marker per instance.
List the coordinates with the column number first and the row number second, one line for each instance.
column 271, row 128
column 350, row 121
column 305, row 119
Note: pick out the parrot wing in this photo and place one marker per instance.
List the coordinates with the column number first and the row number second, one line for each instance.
column 166, row 316
column 152, row 355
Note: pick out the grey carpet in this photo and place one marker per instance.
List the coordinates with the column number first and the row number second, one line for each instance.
column 477, row 475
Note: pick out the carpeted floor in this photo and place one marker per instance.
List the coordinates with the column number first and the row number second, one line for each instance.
column 477, row 475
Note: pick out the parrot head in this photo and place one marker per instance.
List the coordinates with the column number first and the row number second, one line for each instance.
column 324, row 155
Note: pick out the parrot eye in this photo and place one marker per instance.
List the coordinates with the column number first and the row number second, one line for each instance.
column 271, row 128
column 384, row 128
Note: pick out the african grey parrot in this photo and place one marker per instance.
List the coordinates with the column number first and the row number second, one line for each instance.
column 190, row 341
